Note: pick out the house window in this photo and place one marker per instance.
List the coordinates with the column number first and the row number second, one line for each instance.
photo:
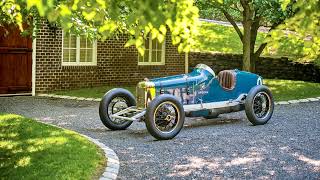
column 154, row 53
column 78, row 51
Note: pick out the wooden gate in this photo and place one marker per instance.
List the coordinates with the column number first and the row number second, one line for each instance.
column 15, row 61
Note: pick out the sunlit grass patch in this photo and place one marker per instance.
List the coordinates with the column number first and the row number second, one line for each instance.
column 288, row 89
column 217, row 38
column 32, row 150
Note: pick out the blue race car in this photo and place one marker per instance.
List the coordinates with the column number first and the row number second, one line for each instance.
column 163, row 103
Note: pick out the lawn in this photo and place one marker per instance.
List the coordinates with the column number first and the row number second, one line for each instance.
column 32, row 150
column 218, row 38
column 281, row 89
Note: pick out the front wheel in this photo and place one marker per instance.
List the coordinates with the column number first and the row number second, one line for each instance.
column 164, row 117
column 112, row 102
column 259, row 105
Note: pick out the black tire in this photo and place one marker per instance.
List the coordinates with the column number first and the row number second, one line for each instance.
column 253, row 105
column 106, row 101
column 153, row 110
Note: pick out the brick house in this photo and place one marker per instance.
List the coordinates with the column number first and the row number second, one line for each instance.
column 61, row 62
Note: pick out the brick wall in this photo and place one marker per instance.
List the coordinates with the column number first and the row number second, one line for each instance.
column 279, row 68
column 116, row 65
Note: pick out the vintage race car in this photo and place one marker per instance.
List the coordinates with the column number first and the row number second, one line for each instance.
column 163, row 103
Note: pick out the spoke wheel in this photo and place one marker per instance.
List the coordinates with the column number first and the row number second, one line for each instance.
column 259, row 105
column 166, row 117
column 112, row 102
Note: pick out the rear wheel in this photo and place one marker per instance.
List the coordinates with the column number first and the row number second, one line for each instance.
column 112, row 102
column 259, row 105
column 164, row 117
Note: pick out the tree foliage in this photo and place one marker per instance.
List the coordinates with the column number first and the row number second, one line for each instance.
column 212, row 10
column 107, row 18
column 252, row 14
column 304, row 26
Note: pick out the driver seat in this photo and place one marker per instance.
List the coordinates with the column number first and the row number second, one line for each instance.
column 227, row 79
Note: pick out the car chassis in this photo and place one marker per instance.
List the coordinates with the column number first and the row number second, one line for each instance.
column 161, row 102
column 138, row 114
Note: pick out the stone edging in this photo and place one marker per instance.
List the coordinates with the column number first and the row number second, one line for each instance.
column 297, row 101
column 99, row 99
column 112, row 168
column 69, row 97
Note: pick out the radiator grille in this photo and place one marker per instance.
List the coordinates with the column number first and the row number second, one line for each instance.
column 141, row 96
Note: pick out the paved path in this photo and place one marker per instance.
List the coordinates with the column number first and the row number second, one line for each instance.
column 288, row 147
column 239, row 24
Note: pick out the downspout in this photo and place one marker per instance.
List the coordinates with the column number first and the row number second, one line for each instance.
column 34, row 67
column 186, row 63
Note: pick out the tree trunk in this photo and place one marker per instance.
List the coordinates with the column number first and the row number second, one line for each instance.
column 247, row 23
column 254, row 32
column 246, row 66
column 253, row 60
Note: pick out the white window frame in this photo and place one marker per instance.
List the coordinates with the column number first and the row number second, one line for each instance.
column 78, row 63
column 163, row 50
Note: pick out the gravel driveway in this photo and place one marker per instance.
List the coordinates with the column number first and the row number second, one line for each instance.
column 288, row 147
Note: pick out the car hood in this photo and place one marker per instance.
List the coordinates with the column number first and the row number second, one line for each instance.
column 199, row 74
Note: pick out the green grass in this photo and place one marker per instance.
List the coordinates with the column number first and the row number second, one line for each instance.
column 32, row 150
column 281, row 89
column 224, row 39
column 94, row 92
column 217, row 38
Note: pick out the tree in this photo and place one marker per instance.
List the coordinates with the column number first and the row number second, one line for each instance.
column 106, row 18
column 252, row 14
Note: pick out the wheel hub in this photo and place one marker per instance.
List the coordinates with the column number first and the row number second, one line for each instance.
column 169, row 118
column 115, row 106
column 120, row 105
